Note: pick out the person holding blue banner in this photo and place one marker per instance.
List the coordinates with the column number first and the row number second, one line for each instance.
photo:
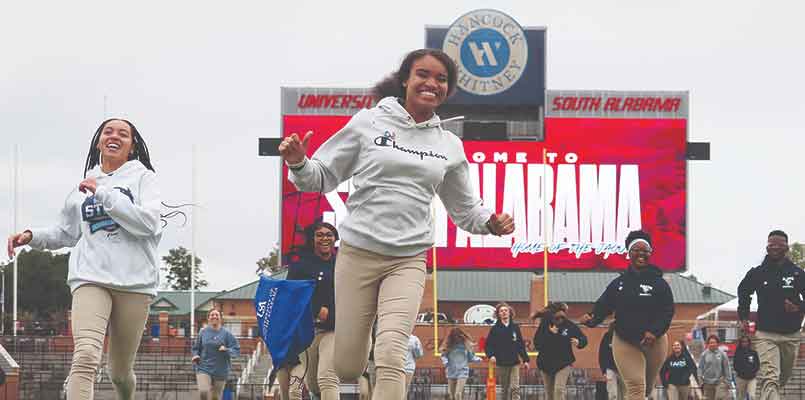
column 399, row 158
column 317, row 263
column 285, row 323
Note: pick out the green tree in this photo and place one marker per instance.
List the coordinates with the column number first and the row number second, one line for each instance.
column 797, row 254
column 269, row 264
column 42, row 284
column 177, row 269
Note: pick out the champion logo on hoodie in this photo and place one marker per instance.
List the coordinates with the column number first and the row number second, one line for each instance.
column 92, row 212
column 389, row 139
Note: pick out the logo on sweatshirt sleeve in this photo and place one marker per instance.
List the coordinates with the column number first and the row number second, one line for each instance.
column 93, row 213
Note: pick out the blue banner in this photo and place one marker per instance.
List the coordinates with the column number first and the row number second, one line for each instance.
column 284, row 318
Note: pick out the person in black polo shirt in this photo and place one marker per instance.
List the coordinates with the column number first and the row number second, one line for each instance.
column 780, row 287
column 675, row 373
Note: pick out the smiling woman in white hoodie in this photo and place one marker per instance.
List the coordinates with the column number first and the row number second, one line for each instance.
column 112, row 220
column 399, row 158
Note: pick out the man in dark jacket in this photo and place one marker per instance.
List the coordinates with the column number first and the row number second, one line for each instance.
column 317, row 263
column 746, row 363
column 506, row 349
column 554, row 340
column 644, row 307
column 780, row 288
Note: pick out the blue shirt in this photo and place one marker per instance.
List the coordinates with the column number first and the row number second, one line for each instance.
column 414, row 351
column 214, row 362
column 457, row 360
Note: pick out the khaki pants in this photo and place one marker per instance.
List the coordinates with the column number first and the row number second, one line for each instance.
column 368, row 284
column 509, row 381
column 367, row 383
column 745, row 387
column 455, row 388
column 290, row 380
column 555, row 384
column 321, row 377
column 615, row 387
column 96, row 309
column 210, row 388
column 364, row 388
column 680, row 392
column 715, row 391
column 778, row 353
column 639, row 365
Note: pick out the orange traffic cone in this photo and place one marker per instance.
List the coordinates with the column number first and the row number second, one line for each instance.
column 491, row 383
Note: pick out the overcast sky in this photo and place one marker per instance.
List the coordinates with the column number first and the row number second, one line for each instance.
column 191, row 73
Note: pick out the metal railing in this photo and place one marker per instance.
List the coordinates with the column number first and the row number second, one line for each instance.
column 43, row 368
column 423, row 387
column 247, row 370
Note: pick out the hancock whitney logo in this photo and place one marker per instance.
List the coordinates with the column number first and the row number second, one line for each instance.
column 490, row 50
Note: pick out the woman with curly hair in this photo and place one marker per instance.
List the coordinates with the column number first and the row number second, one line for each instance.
column 457, row 354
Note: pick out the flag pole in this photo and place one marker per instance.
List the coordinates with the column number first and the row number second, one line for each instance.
column 15, row 222
column 545, row 227
column 193, row 242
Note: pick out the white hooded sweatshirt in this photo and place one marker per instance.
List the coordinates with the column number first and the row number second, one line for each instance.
column 396, row 166
column 115, row 232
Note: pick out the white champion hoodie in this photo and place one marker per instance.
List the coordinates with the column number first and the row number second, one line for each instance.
column 115, row 233
column 397, row 166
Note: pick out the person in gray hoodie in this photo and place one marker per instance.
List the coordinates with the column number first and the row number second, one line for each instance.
column 714, row 370
column 399, row 158
column 112, row 221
